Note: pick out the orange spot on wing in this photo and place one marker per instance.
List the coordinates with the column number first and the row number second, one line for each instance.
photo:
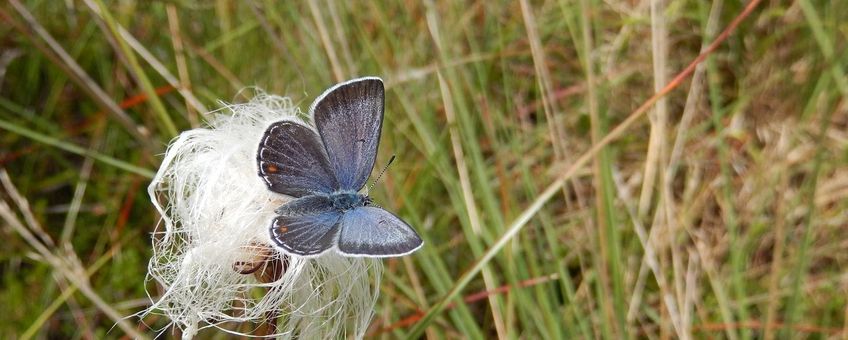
column 272, row 168
column 283, row 229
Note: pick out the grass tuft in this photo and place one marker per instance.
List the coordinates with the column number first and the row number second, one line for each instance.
column 577, row 169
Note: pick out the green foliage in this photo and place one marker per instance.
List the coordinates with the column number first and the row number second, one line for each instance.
column 742, row 233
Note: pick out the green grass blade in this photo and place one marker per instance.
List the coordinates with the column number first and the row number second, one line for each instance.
column 55, row 142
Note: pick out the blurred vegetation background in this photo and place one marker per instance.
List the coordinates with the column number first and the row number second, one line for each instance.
column 719, row 214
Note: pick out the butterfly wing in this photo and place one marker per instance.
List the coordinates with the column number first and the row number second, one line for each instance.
column 349, row 117
column 374, row 232
column 306, row 205
column 306, row 235
column 293, row 162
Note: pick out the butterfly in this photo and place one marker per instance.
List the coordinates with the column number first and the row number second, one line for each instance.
column 324, row 169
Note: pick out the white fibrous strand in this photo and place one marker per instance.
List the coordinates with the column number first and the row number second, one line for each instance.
column 212, row 254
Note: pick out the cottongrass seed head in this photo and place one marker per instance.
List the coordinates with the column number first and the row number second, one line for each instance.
column 212, row 253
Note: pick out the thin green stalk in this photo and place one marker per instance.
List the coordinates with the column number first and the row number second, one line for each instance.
column 54, row 51
column 73, row 148
column 798, row 274
column 66, row 294
column 433, row 264
column 736, row 248
column 148, row 88
column 531, row 210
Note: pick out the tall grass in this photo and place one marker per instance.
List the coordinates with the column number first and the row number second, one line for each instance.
column 547, row 209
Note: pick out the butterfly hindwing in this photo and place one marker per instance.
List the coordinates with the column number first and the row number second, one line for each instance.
column 372, row 231
column 292, row 161
column 306, row 235
column 349, row 117
column 306, row 205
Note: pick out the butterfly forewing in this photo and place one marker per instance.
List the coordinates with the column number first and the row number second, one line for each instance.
column 292, row 161
column 349, row 117
column 371, row 231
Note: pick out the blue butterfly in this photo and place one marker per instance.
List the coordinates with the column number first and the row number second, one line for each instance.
column 324, row 173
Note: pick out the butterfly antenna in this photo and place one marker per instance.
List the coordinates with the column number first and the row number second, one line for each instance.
column 381, row 173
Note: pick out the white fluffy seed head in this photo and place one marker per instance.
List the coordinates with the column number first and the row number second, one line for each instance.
column 216, row 214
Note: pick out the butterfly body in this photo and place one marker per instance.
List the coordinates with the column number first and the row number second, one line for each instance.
column 341, row 201
column 325, row 171
column 344, row 201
